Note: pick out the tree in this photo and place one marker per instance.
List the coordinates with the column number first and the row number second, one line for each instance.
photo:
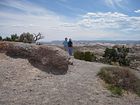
column 37, row 37
column 118, row 54
column 110, row 54
column 14, row 37
column 7, row 39
column 0, row 38
column 26, row 37
column 30, row 38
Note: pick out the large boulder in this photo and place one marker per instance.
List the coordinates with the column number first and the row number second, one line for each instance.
column 50, row 57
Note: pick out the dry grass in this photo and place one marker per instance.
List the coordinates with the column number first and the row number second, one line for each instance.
column 120, row 78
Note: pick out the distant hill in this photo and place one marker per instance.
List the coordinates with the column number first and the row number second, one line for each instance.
column 89, row 42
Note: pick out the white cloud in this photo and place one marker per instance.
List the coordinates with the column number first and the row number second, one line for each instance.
column 137, row 11
column 24, row 6
column 115, row 3
column 110, row 20
column 55, row 27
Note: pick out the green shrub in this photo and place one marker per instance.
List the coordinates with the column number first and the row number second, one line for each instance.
column 7, row 39
column 110, row 54
column 87, row 56
column 79, row 55
column 115, row 90
column 117, row 55
column 0, row 38
column 14, row 37
column 120, row 78
column 26, row 37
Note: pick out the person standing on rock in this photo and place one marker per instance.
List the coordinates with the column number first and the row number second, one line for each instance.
column 65, row 43
column 70, row 47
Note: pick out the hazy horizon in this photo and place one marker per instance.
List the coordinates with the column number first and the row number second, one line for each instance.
column 95, row 41
column 76, row 19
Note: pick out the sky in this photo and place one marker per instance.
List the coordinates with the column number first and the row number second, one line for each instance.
column 76, row 19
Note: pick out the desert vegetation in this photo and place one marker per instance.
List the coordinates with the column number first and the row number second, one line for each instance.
column 0, row 38
column 120, row 79
column 13, row 37
column 113, row 56
column 87, row 56
column 117, row 55
column 45, row 69
column 24, row 37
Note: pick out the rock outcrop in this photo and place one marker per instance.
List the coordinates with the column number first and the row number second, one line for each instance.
column 50, row 57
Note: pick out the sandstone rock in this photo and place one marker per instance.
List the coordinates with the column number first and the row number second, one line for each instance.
column 3, row 46
column 49, row 57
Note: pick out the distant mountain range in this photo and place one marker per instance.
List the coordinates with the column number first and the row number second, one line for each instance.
column 86, row 42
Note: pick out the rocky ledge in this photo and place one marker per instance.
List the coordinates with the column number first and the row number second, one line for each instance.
column 49, row 57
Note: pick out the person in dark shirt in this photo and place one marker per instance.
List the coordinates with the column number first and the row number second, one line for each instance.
column 70, row 47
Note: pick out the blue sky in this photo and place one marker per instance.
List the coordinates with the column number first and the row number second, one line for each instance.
column 78, row 19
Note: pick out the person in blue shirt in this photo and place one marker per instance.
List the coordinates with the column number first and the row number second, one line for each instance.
column 65, row 43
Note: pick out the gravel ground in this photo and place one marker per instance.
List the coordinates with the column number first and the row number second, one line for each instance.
column 23, row 84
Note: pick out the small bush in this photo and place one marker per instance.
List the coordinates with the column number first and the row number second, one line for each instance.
column 87, row 56
column 79, row 55
column 7, row 39
column 110, row 54
column 14, row 37
column 118, row 54
column 120, row 78
column 115, row 90
column 0, row 38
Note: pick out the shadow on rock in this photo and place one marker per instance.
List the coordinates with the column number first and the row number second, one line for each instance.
column 50, row 59
column 48, row 69
column 16, row 55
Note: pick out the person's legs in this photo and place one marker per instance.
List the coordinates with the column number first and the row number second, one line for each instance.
column 70, row 51
column 66, row 48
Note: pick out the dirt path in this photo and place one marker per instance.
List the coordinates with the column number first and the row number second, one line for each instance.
column 23, row 84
